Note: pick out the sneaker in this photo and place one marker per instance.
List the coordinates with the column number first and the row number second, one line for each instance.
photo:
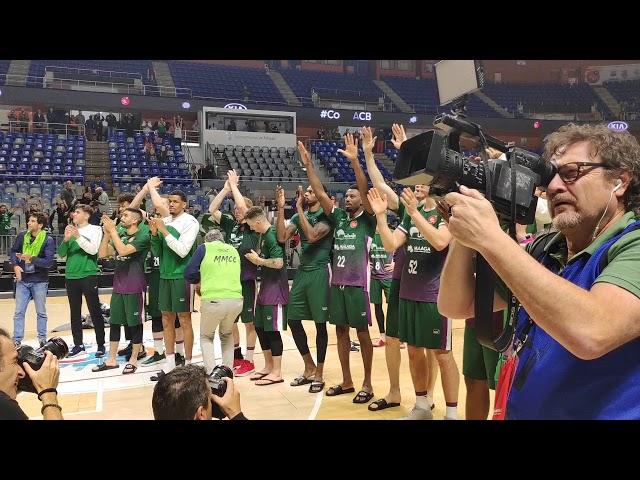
column 155, row 358
column 126, row 351
column 42, row 341
column 380, row 343
column 245, row 369
column 101, row 351
column 237, row 363
column 419, row 414
column 75, row 351
column 179, row 360
column 142, row 353
column 355, row 347
column 17, row 343
column 157, row 376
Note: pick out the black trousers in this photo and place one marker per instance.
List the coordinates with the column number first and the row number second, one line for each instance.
column 88, row 287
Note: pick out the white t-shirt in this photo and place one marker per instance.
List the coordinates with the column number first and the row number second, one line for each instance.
column 188, row 227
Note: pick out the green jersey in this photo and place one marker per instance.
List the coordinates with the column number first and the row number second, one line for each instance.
column 314, row 255
column 129, row 277
column 243, row 239
column 5, row 223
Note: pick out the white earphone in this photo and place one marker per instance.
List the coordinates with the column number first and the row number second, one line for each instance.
column 618, row 185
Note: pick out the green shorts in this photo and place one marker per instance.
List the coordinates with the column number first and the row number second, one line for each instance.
column 309, row 296
column 127, row 309
column 175, row 296
column 391, row 328
column 249, row 302
column 153, row 306
column 421, row 325
column 478, row 361
column 376, row 288
column 271, row 318
column 349, row 306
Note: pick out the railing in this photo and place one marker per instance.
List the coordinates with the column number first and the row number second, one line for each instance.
column 19, row 126
column 7, row 241
column 188, row 136
column 105, row 87
column 93, row 71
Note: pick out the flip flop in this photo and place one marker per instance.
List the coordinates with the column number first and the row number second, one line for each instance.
column 270, row 382
column 301, row 380
column 257, row 376
column 363, row 397
column 103, row 367
column 382, row 404
column 129, row 369
column 338, row 390
column 316, row 387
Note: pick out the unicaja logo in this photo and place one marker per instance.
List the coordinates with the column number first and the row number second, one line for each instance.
column 235, row 106
column 618, row 126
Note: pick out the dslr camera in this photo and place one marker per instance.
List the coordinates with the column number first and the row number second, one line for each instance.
column 219, row 386
column 35, row 358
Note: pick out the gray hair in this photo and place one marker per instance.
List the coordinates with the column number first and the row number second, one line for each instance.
column 214, row 235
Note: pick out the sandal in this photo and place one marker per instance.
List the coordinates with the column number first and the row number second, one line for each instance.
column 301, row 380
column 338, row 390
column 363, row 397
column 316, row 387
column 268, row 382
column 382, row 404
column 128, row 369
column 257, row 376
column 103, row 367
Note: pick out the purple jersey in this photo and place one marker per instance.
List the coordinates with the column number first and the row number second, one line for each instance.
column 400, row 253
column 421, row 272
column 274, row 284
column 379, row 258
column 129, row 276
column 352, row 238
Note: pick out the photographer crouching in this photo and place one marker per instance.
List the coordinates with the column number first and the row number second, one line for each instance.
column 44, row 381
column 577, row 353
column 186, row 393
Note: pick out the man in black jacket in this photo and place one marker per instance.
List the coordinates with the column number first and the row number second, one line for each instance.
column 32, row 255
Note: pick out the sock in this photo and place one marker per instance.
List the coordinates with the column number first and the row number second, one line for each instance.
column 429, row 399
column 237, row 352
column 382, row 337
column 452, row 411
column 422, row 402
column 187, row 361
column 180, row 348
column 158, row 346
column 170, row 363
column 249, row 355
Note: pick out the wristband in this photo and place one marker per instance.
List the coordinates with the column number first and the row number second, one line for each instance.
column 50, row 405
column 46, row 390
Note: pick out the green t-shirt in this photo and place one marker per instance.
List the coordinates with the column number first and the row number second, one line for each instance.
column 129, row 277
column 5, row 223
column 314, row 255
column 241, row 237
column 352, row 238
column 172, row 265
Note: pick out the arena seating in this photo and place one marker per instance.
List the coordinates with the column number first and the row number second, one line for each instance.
column 338, row 166
column 276, row 163
column 221, row 81
column 119, row 68
column 37, row 157
column 628, row 92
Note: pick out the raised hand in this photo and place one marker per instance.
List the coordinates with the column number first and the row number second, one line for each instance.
column 378, row 202
column 153, row 226
column 305, row 157
column 154, row 182
column 233, row 178
column 299, row 198
column 368, row 140
column 351, row 148
column 399, row 135
column 409, row 200
column 280, row 198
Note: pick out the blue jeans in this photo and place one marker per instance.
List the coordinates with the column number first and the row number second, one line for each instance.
column 26, row 291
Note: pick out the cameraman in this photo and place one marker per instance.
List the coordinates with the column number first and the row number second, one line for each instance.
column 45, row 380
column 577, row 356
column 184, row 394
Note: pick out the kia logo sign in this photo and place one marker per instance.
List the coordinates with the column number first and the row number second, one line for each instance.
column 235, row 106
column 618, row 126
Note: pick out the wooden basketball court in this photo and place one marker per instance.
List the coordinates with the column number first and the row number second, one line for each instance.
column 111, row 395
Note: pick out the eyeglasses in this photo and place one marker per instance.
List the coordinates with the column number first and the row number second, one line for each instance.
column 570, row 172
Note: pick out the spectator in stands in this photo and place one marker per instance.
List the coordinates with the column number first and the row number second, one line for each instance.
column 63, row 218
column 102, row 200
column 24, row 121
column 98, row 182
column 98, row 119
column 320, row 133
column 208, row 171
column 87, row 197
column 68, row 195
column 232, row 125
column 163, row 157
column 162, row 128
column 129, row 126
column 80, row 118
column 34, row 204
column 111, row 124
column 13, row 120
column 195, row 126
column 146, row 128
column 38, row 122
column 96, row 216
column 274, row 128
column 32, row 255
column 177, row 134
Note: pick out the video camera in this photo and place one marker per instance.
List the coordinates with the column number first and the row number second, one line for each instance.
column 434, row 158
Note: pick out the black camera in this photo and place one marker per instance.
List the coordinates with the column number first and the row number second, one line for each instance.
column 56, row 345
column 219, row 386
column 434, row 158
